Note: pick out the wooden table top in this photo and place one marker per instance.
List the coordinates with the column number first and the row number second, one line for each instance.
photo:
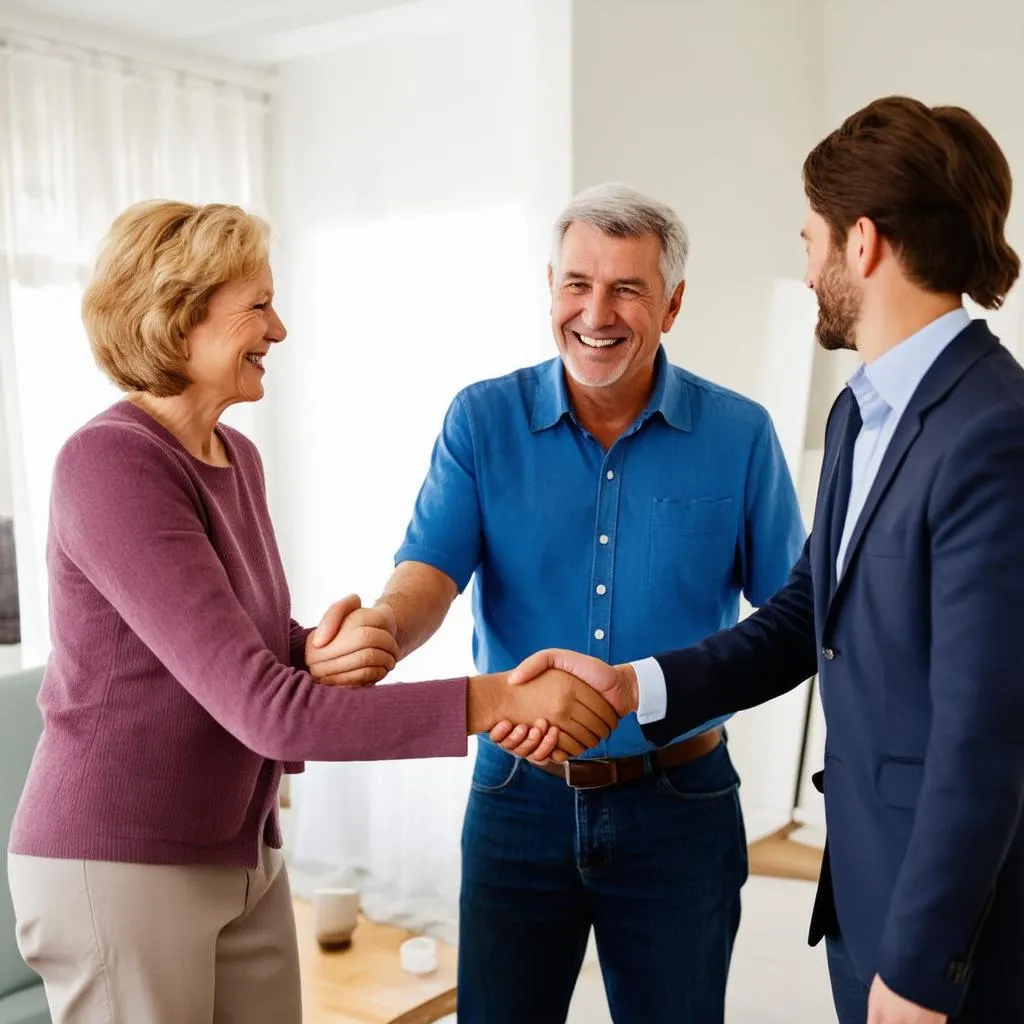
column 365, row 984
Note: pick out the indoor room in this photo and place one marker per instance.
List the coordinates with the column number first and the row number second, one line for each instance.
column 416, row 174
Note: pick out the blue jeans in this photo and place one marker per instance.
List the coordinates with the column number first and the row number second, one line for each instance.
column 655, row 866
column 849, row 993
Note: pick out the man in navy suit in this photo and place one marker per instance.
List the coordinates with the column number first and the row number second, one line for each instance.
column 908, row 595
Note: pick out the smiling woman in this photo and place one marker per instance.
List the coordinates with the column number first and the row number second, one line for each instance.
column 182, row 300
column 240, row 326
column 178, row 679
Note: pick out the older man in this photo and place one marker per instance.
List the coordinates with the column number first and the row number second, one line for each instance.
column 612, row 503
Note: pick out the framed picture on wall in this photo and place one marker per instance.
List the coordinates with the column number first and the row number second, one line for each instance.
column 10, row 616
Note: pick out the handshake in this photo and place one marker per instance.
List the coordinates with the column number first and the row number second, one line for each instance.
column 555, row 705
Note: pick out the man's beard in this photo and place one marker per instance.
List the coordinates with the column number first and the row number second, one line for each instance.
column 839, row 303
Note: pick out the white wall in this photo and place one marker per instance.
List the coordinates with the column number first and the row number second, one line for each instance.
column 711, row 106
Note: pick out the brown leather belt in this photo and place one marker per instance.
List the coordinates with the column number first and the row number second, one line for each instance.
column 598, row 772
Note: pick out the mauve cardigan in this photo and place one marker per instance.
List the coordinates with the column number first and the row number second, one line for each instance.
column 176, row 691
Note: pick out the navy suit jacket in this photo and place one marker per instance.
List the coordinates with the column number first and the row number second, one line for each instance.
column 921, row 672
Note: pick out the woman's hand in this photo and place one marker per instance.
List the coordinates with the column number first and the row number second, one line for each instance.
column 352, row 646
column 536, row 742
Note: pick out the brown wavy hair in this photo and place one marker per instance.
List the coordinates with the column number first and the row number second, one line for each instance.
column 936, row 185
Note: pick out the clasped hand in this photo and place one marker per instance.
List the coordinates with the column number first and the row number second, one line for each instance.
column 573, row 702
column 352, row 645
column 538, row 742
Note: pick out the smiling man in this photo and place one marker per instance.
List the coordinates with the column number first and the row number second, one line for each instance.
column 609, row 502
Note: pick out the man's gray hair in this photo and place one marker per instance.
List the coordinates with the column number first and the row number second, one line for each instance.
column 622, row 212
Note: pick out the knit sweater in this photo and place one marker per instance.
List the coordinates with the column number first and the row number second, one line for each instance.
column 176, row 691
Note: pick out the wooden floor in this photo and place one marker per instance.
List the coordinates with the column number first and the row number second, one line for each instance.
column 781, row 856
column 365, row 984
column 371, row 988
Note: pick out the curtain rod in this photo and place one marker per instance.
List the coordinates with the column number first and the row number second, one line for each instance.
column 83, row 37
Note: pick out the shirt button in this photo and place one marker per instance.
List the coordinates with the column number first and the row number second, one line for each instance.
column 602, row 589
column 603, row 538
column 828, row 654
column 598, row 634
column 611, row 475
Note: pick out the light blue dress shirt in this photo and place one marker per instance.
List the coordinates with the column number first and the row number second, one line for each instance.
column 883, row 390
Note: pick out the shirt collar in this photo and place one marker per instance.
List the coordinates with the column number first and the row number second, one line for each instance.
column 894, row 377
column 551, row 399
column 670, row 397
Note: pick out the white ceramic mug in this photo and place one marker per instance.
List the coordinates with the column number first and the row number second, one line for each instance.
column 335, row 913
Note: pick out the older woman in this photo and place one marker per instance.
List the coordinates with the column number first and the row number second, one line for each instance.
column 145, row 866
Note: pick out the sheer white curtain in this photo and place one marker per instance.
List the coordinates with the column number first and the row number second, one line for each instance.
column 391, row 828
column 83, row 135
column 374, row 394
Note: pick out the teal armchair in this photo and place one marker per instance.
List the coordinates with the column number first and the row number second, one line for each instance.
column 22, row 1000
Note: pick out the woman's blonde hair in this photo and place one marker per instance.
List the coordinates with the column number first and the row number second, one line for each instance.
column 157, row 269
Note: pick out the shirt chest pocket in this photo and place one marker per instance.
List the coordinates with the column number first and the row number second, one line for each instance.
column 692, row 546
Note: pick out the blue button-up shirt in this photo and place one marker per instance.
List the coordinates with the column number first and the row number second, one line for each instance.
column 643, row 547
column 883, row 390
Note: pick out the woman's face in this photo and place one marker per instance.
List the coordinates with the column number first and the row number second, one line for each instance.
column 226, row 351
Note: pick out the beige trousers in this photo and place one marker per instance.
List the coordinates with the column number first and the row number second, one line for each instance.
column 147, row 944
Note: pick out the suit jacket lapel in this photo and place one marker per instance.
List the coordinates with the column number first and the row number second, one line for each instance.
column 840, row 478
column 823, row 544
column 906, row 433
column 963, row 352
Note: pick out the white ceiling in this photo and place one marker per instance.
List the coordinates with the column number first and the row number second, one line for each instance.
column 241, row 30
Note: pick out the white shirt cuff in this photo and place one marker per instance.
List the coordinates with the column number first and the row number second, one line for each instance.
column 653, row 693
